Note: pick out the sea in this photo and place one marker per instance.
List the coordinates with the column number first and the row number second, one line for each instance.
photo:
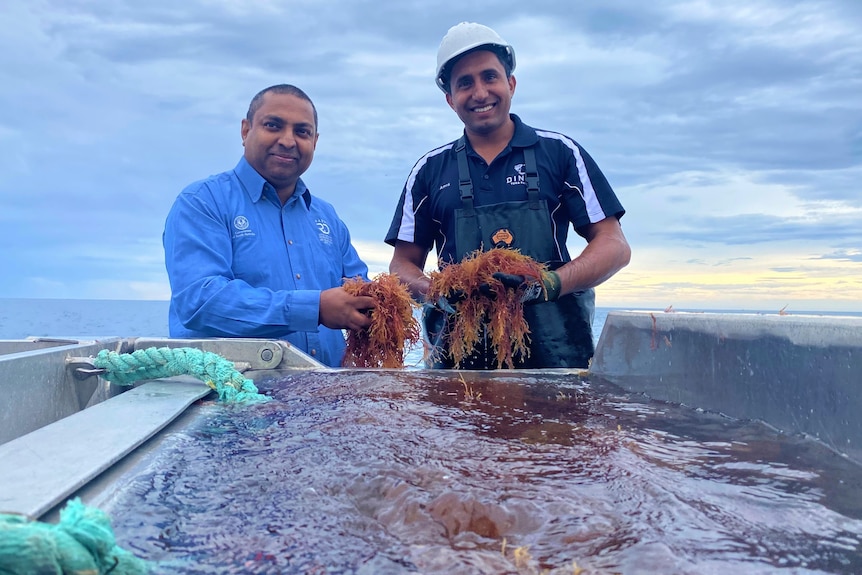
column 22, row 318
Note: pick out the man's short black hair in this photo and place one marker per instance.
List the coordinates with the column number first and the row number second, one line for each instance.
column 257, row 101
column 501, row 53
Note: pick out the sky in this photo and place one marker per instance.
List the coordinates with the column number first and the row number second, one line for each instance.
column 730, row 130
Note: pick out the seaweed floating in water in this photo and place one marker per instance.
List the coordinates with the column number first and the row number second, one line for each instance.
column 393, row 325
column 486, row 304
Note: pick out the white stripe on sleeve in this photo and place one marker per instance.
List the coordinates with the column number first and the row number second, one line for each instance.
column 588, row 194
column 407, row 228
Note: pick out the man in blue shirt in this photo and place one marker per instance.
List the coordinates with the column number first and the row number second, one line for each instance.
column 504, row 184
column 251, row 253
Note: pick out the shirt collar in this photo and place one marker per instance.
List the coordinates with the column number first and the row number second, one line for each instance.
column 254, row 183
column 524, row 136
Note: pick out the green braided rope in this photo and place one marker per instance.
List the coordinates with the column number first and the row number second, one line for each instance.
column 81, row 543
column 157, row 362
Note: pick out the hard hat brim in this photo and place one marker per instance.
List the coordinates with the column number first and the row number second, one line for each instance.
column 504, row 51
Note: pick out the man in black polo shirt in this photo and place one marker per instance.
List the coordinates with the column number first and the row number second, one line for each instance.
column 505, row 184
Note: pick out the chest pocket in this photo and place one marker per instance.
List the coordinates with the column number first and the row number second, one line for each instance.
column 524, row 225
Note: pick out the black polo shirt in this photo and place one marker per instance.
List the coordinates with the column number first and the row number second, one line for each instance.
column 569, row 180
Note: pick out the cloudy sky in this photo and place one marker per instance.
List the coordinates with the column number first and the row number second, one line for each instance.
column 731, row 130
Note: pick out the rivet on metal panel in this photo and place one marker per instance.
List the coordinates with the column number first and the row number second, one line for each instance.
column 270, row 354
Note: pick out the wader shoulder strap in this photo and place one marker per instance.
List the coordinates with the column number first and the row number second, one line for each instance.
column 532, row 178
column 465, row 184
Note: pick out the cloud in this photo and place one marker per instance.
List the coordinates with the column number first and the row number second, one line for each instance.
column 853, row 255
column 731, row 130
column 749, row 229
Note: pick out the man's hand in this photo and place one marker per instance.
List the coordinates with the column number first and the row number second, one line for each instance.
column 533, row 291
column 340, row 310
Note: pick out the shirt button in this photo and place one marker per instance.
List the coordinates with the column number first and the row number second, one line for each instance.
column 485, row 176
column 313, row 352
column 290, row 242
column 298, row 276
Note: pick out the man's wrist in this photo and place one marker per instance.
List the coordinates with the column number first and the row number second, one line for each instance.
column 553, row 285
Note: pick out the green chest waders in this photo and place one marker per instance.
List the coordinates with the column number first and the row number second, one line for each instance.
column 561, row 333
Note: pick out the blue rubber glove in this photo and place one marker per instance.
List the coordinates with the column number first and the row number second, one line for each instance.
column 533, row 292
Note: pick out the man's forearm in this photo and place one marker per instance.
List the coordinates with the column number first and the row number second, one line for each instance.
column 600, row 260
column 412, row 276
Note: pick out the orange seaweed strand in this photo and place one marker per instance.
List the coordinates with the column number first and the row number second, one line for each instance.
column 501, row 317
column 393, row 325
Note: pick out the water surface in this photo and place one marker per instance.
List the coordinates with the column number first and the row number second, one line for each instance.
column 439, row 472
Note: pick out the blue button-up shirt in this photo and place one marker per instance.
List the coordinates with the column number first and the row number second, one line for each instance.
column 242, row 265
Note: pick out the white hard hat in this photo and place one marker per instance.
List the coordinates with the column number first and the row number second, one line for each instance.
column 464, row 37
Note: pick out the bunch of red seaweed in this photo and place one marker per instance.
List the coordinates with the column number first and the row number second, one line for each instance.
column 393, row 325
column 483, row 303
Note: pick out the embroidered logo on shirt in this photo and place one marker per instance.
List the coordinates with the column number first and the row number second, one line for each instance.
column 241, row 224
column 325, row 232
column 520, row 176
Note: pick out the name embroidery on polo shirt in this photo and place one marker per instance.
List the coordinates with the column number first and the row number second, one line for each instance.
column 520, row 177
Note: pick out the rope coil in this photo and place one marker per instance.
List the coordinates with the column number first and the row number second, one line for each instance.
column 82, row 543
column 158, row 362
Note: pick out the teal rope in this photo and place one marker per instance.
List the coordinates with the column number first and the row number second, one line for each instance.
column 154, row 363
column 82, row 542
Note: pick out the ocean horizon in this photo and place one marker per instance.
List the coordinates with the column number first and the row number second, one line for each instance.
column 21, row 318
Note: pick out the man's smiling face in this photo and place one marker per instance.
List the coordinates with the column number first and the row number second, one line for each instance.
column 280, row 140
column 481, row 94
